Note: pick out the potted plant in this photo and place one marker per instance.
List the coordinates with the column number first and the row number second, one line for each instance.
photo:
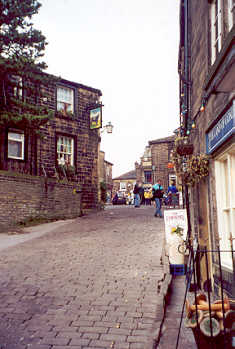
column 70, row 171
column 183, row 147
column 191, row 169
column 61, row 171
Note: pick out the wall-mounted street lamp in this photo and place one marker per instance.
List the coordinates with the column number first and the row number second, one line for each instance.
column 108, row 128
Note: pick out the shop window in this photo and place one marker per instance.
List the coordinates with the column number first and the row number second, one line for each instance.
column 225, row 196
column 65, row 150
column 148, row 176
column 122, row 185
column 65, row 100
column 16, row 142
column 216, row 29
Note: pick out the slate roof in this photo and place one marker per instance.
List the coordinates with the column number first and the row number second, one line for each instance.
column 127, row 175
column 162, row 140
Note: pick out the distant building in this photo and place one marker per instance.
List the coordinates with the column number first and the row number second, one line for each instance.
column 154, row 164
column 125, row 183
column 105, row 174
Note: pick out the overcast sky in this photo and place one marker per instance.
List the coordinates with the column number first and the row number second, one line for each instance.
column 129, row 50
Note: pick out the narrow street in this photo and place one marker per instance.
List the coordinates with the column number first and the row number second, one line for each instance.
column 91, row 283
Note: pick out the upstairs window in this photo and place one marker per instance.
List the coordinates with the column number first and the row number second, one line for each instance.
column 216, row 29
column 65, row 100
column 18, row 86
column 148, row 176
column 65, row 150
column 16, row 141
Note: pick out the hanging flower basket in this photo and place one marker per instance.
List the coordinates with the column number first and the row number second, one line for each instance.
column 184, row 149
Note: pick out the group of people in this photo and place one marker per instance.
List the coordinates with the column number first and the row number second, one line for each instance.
column 144, row 199
column 156, row 195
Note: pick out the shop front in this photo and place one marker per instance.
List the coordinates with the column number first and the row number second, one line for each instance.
column 220, row 144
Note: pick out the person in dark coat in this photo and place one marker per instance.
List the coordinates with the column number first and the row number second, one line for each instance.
column 141, row 192
column 136, row 193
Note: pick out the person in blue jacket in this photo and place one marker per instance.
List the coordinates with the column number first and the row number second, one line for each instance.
column 172, row 198
column 158, row 195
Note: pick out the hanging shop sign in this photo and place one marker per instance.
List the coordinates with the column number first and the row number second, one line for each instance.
column 175, row 224
column 96, row 118
column 176, row 227
column 222, row 130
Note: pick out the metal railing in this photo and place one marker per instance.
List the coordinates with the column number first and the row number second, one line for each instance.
column 210, row 319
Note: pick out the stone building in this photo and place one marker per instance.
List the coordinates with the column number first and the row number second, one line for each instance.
column 207, row 118
column 124, row 183
column 33, row 176
column 105, row 174
column 154, row 164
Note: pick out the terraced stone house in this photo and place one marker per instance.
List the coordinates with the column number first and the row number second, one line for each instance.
column 40, row 175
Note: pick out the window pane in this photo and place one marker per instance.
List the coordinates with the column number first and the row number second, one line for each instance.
column 224, row 169
column 65, row 99
column 65, row 150
column 16, row 136
column 15, row 149
column 226, row 183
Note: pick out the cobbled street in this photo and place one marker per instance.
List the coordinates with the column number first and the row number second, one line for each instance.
column 91, row 283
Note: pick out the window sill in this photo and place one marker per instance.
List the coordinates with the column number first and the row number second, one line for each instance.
column 15, row 159
column 64, row 116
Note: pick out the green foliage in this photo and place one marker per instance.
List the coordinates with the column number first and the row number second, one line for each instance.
column 22, row 81
column 67, row 171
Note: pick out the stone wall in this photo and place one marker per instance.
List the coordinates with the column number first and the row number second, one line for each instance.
column 24, row 197
column 216, row 104
column 160, row 158
column 205, row 81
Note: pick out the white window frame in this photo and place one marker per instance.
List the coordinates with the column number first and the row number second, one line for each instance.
column 11, row 137
column 216, row 29
column 122, row 186
column 18, row 88
column 172, row 177
column 65, row 152
column 68, row 104
column 231, row 5
column 225, row 198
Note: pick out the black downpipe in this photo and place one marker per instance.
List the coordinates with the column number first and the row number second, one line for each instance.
column 186, row 96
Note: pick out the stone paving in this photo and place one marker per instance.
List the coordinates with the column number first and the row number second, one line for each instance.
column 171, row 323
column 91, row 283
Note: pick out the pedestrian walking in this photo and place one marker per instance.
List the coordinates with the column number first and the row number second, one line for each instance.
column 172, row 195
column 141, row 192
column 136, row 192
column 147, row 197
column 157, row 195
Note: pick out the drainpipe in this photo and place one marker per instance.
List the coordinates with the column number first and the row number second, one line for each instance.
column 186, row 95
